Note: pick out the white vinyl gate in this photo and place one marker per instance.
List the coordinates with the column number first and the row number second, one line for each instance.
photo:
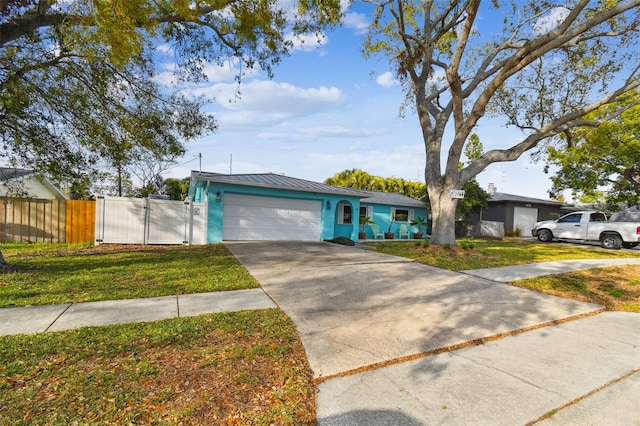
column 122, row 220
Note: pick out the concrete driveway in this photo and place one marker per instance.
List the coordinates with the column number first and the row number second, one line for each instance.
column 356, row 308
column 393, row 342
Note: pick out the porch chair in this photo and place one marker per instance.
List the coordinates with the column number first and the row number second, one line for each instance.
column 376, row 232
column 403, row 232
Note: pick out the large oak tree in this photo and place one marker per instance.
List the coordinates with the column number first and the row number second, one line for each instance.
column 78, row 83
column 542, row 67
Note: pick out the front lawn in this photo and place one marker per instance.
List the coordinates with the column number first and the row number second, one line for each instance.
column 230, row 368
column 481, row 253
column 57, row 273
column 617, row 288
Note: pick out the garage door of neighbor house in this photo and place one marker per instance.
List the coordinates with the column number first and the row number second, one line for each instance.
column 524, row 218
column 253, row 217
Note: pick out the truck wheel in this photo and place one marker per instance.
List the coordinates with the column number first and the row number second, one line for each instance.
column 629, row 245
column 611, row 241
column 545, row 235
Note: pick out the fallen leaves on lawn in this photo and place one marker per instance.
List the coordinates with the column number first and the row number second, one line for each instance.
column 254, row 372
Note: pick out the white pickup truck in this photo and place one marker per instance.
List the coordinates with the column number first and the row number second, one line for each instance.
column 589, row 226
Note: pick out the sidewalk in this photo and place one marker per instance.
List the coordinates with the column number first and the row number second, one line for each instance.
column 38, row 319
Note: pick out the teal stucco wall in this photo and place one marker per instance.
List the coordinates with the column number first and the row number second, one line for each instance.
column 382, row 217
column 215, row 208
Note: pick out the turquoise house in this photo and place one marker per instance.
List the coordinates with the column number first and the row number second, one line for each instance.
column 268, row 206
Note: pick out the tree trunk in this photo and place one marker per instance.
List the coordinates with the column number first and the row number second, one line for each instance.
column 443, row 214
column 4, row 266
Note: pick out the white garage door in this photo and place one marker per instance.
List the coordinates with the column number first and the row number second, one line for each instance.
column 524, row 218
column 252, row 217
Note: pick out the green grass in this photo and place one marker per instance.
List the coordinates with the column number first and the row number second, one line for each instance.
column 200, row 370
column 479, row 253
column 57, row 273
column 614, row 287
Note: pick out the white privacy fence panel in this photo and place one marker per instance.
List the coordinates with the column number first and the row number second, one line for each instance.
column 492, row 229
column 120, row 220
column 149, row 221
column 167, row 222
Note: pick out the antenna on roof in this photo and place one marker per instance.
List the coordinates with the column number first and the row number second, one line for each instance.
column 230, row 164
column 200, row 157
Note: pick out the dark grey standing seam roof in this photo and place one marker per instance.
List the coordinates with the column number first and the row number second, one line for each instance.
column 8, row 173
column 502, row 197
column 275, row 181
column 392, row 198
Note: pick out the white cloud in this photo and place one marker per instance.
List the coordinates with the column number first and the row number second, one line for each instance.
column 264, row 103
column 551, row 20
column 306, row 134
column 387, row 80
column 269, row 96
column 342, row 132
column 227, row 71
column 165, row 49
column 307, row 42
column 356, row 21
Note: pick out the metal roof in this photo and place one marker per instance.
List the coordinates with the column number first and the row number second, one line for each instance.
column 11, row 173
column 391, row 198
column 8, row 173
column 272, row 180
column 497, row 197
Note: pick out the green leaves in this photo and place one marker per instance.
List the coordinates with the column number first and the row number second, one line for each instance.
column 604, row 158
column 77, row 84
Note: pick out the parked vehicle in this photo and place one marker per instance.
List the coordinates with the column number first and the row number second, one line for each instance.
column 589, row 226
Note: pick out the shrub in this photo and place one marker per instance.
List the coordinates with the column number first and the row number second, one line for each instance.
column 426, row 243
column 446, row 246
column 343, row 241
column 517, row 232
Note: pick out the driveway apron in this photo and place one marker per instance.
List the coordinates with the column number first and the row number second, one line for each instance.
column 355, row 309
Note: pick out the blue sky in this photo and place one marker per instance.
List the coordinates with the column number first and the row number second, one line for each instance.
column 326, row 110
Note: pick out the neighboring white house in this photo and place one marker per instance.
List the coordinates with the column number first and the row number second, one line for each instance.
column 24, row 183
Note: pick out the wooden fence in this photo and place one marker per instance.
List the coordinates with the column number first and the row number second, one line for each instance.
column 37, row 220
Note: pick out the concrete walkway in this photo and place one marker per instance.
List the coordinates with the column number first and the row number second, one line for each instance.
column 393, row 342
column 38, row 319
column 520, row 272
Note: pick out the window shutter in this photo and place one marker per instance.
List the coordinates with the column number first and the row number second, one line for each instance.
column 411, row 214
column 340, row 214
column 393, row 213
column 370, row 212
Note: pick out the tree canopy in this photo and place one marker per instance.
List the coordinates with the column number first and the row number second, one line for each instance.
column 541, row 68
column 475, row 197
column 78, row 87
column 358, row 179
column 602, row 161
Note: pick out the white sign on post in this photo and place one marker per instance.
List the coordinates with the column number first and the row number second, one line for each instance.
column 456, row 193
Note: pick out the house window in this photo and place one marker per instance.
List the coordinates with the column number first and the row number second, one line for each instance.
column 345, row 214
column 366, row 211
column 402, row 215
